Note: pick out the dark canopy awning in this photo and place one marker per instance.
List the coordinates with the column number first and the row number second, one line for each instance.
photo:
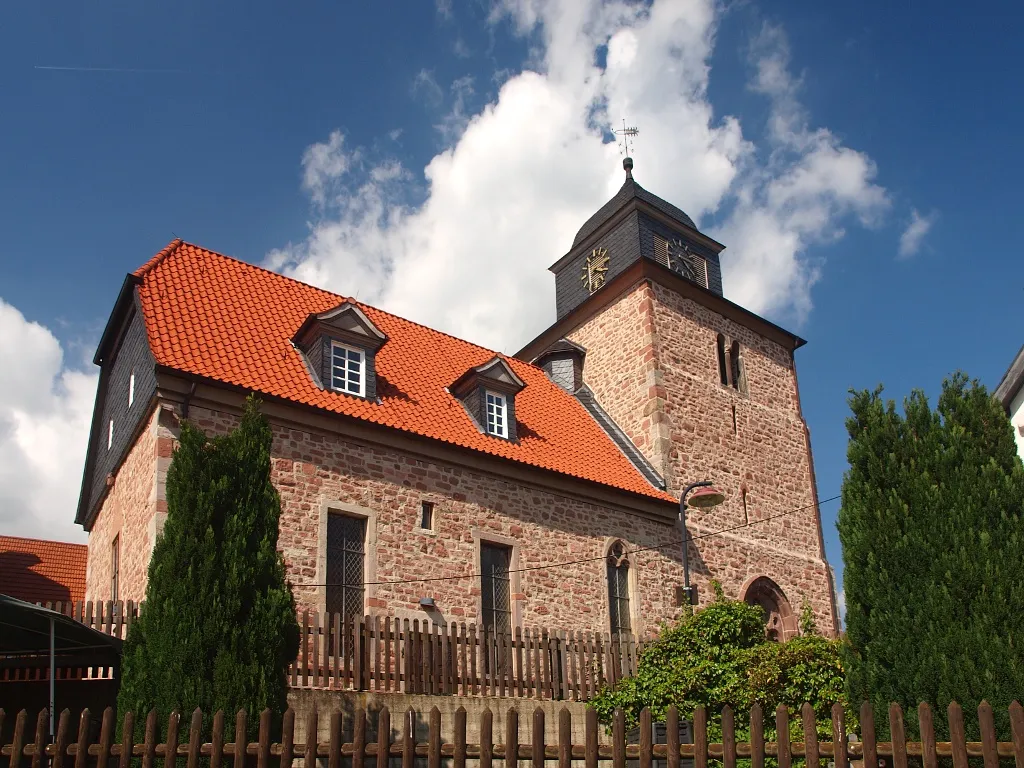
column 25, row 633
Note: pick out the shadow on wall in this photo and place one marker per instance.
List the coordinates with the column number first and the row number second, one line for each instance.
column 18, row 580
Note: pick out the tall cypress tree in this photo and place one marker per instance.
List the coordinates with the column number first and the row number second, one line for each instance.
column 218, row 627
column 933, row 547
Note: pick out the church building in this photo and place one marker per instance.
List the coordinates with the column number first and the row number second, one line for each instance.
column 422, row 476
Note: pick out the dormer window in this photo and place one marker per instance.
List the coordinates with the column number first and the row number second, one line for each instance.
column 348, row 368
column 340, row 348
column 497, row 414
column 488, row 393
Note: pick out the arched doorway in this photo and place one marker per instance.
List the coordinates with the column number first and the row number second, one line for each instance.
column 779, row 620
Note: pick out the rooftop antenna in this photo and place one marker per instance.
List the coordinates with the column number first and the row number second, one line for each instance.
column 625, row 135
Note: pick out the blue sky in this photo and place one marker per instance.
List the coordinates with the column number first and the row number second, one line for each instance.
column 388, row 156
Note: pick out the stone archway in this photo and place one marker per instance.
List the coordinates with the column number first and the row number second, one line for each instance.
column 780, row 621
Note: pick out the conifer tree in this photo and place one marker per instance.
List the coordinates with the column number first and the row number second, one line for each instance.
column 933, row 546
column 218, row 627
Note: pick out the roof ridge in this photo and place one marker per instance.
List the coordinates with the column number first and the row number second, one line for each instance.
column 179, row 242
column 168, row 249
column 44, row 541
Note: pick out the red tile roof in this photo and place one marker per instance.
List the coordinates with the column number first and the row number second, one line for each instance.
column 40, row 571
column 227, row 320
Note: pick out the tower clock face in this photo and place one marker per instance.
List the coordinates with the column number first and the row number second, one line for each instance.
column 595, row 269
column 679, row 255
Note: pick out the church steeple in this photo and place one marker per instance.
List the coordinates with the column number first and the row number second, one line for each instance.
column 634, row 224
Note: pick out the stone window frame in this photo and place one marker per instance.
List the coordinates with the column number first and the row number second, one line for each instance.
column 418, row 516
column 369, row 516
column 115, row 566
column 634, row 586
column 516, row 596
column 786, row 625
column 731, row 368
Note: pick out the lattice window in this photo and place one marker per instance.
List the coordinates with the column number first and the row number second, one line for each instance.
column 618, row 588
column 495, row 587
column 115, row 567
column 497, row 415
column 345, row 562
column 348, row 369
column 661, row 250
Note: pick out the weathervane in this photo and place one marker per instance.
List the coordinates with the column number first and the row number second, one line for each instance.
column 626, row 134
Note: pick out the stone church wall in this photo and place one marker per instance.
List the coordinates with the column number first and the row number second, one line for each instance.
column 751, row 442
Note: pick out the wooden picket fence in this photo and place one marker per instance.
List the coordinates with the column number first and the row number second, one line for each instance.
column 389, row 654
column 380, row 653
column 515, row 746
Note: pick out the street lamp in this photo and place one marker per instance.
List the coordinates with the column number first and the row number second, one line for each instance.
column 704, row 496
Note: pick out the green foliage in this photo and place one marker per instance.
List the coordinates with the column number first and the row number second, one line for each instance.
column 720, row 656
column 933, row 543
column 218, row 627
column 808, row 626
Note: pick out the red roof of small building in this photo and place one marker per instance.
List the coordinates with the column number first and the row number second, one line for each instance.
column 220, row 318
column 40, row 571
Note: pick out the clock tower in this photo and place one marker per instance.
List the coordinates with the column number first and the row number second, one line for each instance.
column 696, row 388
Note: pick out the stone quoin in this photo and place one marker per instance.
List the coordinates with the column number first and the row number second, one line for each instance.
column 401, row 453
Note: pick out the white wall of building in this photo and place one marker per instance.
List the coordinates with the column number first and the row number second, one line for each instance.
column 1017, row 419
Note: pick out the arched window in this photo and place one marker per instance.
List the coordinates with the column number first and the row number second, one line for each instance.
column 723, row 371
column 734, row 361
column 618, row 588
column 778, row 614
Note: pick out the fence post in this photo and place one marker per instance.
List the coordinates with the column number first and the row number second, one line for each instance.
column 619, row 738
column 511, row 738
column 839, row 754
column 334, row 743
column 195, row 734
column 1017, row 729
column 384, row 738
column 812, row 758
column 217, row 740
column 700, row 739
column 408, row 739
column 434, row 739
column 867, row 735
column 82, row 746
column 899, row 736
column 459, row 756
column 957, row 739
column 538, row 745
column 358, row 740
column 241, row 738
column 42, row 731
column 729, row 738
column 987, row 726
column 149, row 748
column 309, row 754
column 171, row 747
column 646, row 747
column 61, row 747
column 18, row 739
column 757, row 737
column 486, row 735
column 590, row 753
column 288, row 737
column 782, row 737
column 564, row 738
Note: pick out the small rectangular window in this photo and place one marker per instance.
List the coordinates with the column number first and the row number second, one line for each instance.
column 110, row 434
column 131, row 389
column 348, row 369
column 497, row 415
column 427, row 515
column 115, row 567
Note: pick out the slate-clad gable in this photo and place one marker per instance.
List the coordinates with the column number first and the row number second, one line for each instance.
column 130, row 355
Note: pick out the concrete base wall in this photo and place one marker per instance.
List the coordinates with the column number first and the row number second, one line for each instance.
column 303, row 702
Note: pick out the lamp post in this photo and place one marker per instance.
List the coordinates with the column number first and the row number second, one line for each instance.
column 704, row 496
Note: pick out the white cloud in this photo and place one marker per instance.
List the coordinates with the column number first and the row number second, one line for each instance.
column 916, row 231
column 45, row 410
column 841, row 605
column 519, row 177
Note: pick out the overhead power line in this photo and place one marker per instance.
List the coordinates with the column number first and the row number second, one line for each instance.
column 549, row 566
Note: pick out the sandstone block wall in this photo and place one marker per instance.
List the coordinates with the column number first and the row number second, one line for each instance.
column 752, row 444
